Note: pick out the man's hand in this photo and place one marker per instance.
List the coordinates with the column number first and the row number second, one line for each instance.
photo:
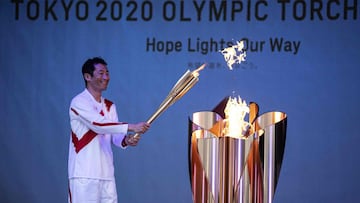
column 141, row 127
column 130, row 140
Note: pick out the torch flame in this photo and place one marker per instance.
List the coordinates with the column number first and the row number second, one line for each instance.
column 196, row 72
column 235, row 112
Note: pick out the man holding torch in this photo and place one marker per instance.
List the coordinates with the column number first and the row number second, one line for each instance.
column 94, row 126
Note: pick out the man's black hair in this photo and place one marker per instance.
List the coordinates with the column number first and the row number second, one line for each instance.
column 89, row 66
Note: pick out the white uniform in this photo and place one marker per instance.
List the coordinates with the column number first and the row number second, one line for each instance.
column 94, row 126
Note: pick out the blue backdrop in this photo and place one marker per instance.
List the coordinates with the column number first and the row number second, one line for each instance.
column 302, row 59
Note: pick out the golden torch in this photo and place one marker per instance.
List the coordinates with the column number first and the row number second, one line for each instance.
column 182, row 86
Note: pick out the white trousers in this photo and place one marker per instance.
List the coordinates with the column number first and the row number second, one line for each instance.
column 84, row 190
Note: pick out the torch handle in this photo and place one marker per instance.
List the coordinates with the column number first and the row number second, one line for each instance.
column 157, row 113
column 183, row 85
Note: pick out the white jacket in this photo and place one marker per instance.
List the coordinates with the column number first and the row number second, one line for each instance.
column 94, row 126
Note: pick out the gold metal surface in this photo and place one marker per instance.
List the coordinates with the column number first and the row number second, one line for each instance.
column 228, row 170
column 181, row 87
column 272, row 147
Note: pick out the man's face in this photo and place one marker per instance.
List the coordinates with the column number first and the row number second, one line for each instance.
column 100, row 78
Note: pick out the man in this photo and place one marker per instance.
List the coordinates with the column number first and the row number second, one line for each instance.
column 94, row 126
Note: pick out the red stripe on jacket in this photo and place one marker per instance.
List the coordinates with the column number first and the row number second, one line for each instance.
column 108, row 104
column 86, row 139
column 108, row 124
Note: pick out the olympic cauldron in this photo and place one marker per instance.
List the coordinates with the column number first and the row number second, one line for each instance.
column 232, row 169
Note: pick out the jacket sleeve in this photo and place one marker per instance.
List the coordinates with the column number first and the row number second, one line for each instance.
column 81, row 110
column 117, row 138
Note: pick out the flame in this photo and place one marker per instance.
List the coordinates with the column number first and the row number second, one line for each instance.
column 234, row 54
column 235, row 111
column 196, row 72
